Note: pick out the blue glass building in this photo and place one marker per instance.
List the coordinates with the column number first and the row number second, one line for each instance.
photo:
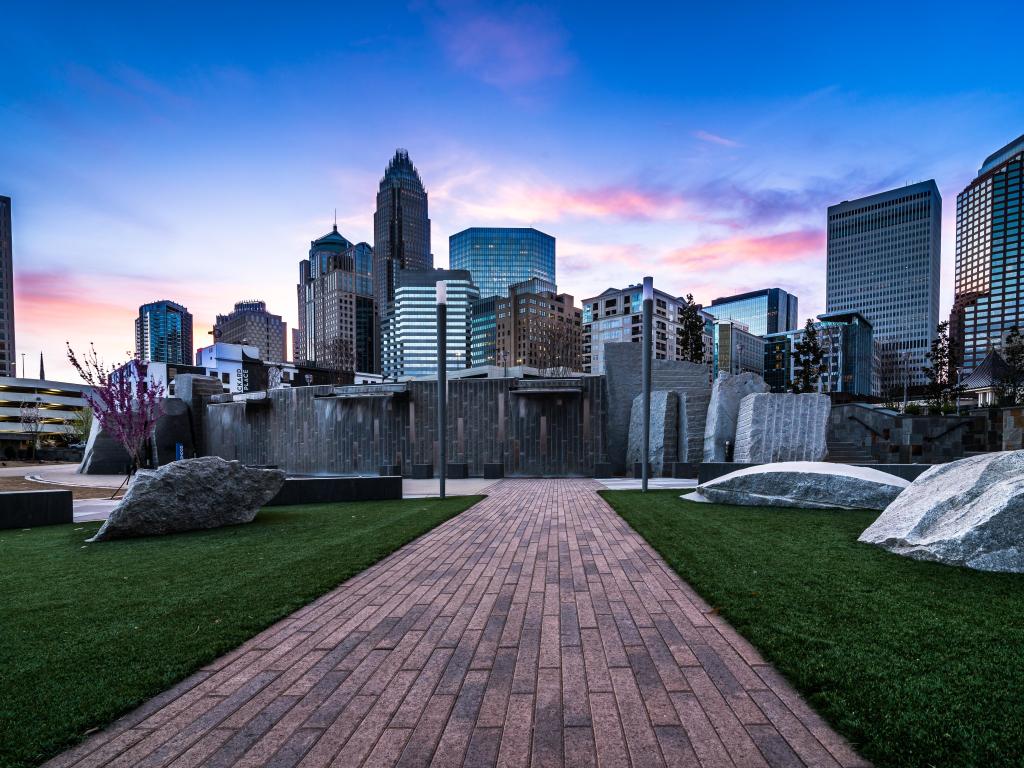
column 498, row 257
column 163, row 333
column 770, row 310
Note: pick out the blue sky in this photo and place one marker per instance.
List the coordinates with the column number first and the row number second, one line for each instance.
column 192, row 151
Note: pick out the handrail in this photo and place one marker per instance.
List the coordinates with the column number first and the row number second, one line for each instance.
column 947, row 431
column 867, row 426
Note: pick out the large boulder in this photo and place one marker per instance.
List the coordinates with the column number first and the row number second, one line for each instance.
column 805, row 484
column 726, row 394
column 664, row 446
column 781, row 427
column 189, row 495
column 968, row 512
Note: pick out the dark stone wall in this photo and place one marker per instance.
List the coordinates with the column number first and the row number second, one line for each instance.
column 308, row 430
column 893, row 438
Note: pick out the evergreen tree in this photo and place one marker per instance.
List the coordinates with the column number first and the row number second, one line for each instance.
column 808, row 357
column 691, row 331
column 943, row 385
column 1009, row 389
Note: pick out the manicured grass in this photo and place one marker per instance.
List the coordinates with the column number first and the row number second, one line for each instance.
column 88, row 631
column 917, row 664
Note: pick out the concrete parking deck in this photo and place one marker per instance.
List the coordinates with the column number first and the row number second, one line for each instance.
column 534, row 629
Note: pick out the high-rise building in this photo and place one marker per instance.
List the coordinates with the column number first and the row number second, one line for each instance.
column 336, row 307
column 251, row 324
column 401, row 229
column 770, row 310
column 989, row 297
column 537, row 327
column 883, row 263
column 736, row 349
column 163, row 333
column 7, row 349
column 484, row 333
column 617, row 315
column 409, row 338
column 499, row 257
column 849, row 360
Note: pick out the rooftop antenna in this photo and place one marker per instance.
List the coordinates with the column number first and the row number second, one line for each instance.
column 335, row 219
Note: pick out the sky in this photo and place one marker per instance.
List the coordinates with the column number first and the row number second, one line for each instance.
column 191, row 151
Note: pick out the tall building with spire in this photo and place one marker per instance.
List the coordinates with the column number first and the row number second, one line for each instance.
column 6, row 291
column 401, row 230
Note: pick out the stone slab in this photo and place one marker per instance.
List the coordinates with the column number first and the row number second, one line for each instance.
column 775, row 427
column 727, row 393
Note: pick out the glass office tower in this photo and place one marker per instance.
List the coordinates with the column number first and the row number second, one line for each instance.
column 989, row 299
column 770, row 310
column 163, row 333
column 7, row 359
column 499, row 257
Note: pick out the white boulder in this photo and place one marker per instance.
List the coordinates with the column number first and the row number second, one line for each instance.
column 805, row 484
column 727, row 393
column 968, row 512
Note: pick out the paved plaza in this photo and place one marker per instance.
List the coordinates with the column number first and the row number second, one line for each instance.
column 534, row 629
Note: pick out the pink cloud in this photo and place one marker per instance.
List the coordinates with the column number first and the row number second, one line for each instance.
column 754, row 251
column 713, row 138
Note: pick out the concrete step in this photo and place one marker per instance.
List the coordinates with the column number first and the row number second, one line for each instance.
column 848, row 453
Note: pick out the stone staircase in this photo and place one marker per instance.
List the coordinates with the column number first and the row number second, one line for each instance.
column 848, row 453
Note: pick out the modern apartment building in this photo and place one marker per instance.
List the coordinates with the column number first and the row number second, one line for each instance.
column 883, row 263
column 850, row 358
column 499, row 257
column 409, row 337
column 617, row 315
column 163, row 333
column 337, row 318
column 989, row 291
column 770, row 310
column 251, row 324
column 401, row 229
column 537, row 327
column 736, row 349
column 7, row 348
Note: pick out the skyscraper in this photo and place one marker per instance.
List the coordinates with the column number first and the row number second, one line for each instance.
column 989, row 297
column 401, row 228
column 336, row 307
column 251, row 324
column 499, row 257
column 410, row 331
column 163, row 333
column 537, row 327
column 883, row 262
column 770, row 310
column 7, row 358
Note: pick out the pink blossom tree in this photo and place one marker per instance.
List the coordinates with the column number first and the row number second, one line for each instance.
column 126, row 405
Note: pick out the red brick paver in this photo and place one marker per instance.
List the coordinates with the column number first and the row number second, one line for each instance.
column 534, row 629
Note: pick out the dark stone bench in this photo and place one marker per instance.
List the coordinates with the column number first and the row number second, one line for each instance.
column 387, row 470
column 604, row 469
column 682, row 470
column 28, row 509
column 458, row 471
column 324, row 490
column 422, row 471
column 494, row 471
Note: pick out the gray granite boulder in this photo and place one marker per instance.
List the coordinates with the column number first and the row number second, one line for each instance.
column 805, row 484
column 189, row 495
column 664, row 446
column 968, row 512
column 781, row 427
column 726, row 394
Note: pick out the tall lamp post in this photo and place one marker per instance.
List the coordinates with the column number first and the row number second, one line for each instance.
column 442, row 380
column 646, row 374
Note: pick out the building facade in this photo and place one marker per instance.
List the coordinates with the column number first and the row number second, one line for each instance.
column 770, row 310
column 401, row 229
column 58, row 409
column 484, row 333
column 989, row 294
column 883, row 263
column 499, row 257
column 337, row 318
column 538, row 327
column 850, row 359
column 163, row 333
column 251, row 323
column 736, row 349
column 409, row 338
column 7, row 347
column 617, row 315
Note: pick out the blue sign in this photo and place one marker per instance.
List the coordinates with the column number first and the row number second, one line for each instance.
column 179, row 451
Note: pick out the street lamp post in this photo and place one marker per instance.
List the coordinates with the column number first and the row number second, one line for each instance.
column 646, row 374
column 442, row 380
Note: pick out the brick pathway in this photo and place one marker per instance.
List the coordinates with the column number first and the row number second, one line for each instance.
column 534, row 629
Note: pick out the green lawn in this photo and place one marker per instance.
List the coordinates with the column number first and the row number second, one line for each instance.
column 918, row 664
column 88, row 631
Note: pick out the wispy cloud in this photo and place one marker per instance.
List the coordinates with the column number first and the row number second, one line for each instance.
column 713, row 138
column 508, row 49
column 760, row 251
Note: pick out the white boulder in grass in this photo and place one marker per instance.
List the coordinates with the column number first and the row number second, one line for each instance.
column 804, row 484
column 968, row 512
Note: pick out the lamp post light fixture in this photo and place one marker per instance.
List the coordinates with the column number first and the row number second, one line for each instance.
column 646, row 374
column 442, row 381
